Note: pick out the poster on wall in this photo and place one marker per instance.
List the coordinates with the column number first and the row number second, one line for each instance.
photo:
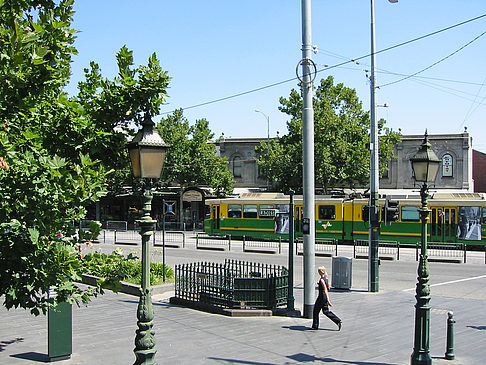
column 469, row 227
column 282, row 219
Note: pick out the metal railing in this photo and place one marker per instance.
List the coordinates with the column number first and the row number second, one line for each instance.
column 127, row 237
column 251, row 244
column 321, row 247
column 203, row 241
column 444, row 251
column 386, row 249
column 132, row 237
column 179, row 226
column 171, row 238
column 234, row 284
column 116, row 225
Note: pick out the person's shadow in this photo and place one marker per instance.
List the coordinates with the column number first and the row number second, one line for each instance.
column 480, row 328
column 305, row 328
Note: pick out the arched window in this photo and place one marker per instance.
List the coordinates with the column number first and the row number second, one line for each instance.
column 447, row 165
column 237, row 165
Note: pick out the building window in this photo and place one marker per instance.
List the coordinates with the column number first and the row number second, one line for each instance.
column 447, row 165
column 385, row 174
column 237, row 164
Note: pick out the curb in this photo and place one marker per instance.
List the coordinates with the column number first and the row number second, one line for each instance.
column 220, row 310
column 128, row 288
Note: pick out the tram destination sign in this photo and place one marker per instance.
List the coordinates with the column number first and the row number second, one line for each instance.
column 268, row 212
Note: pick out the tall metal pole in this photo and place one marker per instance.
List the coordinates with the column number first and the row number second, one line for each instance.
column 308, row 158
column 163, row 240
column 374, row 219
column 421, row 353
column 290, row 295
column 145, row 339
column 268, row 137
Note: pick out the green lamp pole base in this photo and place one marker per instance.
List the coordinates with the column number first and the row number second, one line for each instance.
column 145, row 339
column 421, row 353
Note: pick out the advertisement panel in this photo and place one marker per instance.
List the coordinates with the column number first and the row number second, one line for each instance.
column 282, row 219
column 469, row 227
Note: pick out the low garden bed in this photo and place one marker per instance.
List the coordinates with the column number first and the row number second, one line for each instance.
column 129, row 288
column 124, row 273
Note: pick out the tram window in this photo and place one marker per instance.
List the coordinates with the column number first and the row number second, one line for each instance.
column 267, row 211
column 410, row 214
column 234, row 211
column 327, row 212
column 250, row 211
column 484, row 215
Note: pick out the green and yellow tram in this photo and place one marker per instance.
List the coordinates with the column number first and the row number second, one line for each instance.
column 454, row 217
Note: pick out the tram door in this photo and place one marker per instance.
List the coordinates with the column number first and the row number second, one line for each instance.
column 298, row 219
column 443, row 224
column 216, row 214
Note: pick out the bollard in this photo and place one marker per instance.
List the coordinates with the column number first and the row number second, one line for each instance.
column 60, row 332
column 449, row 355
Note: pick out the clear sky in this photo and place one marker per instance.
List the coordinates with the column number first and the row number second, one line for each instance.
column 216, row 49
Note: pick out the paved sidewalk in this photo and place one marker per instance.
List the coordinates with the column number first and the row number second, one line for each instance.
column 377, row 329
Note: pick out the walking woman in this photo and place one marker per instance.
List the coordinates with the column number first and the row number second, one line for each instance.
column 323, row 302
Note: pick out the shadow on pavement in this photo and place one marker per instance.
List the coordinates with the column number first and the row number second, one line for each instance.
column 235, row 361
column 480, row 328
column 4, row 344
column 306, row 328
column 300, row 358
column 311, row 358
column 33, row 356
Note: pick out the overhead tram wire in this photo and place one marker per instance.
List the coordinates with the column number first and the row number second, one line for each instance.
column 435, row 63
column 391, row 73
column 427, row 81
column 329, row 67
column 472, row 109
column 432, row 78
column 448, row 90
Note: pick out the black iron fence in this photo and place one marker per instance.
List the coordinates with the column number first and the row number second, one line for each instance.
column 233, row 284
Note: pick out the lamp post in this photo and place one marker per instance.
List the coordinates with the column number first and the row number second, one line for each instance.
column 308, row 172
column 268, row 136
column 425, row 165
column 268, row 125
column 290, row 294
column 147, row 153
column 374, row 218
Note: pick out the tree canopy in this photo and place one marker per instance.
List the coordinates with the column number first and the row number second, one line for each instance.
column 341, row 134
column 191, row 160
column 112, row 108
column 55, row 151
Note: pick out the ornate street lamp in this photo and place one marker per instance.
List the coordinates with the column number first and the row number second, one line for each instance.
column 147, row 153
column 425, row 165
